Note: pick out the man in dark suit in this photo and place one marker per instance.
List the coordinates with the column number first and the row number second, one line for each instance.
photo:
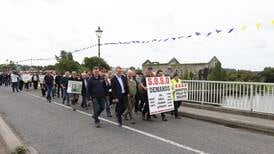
column 119, row 88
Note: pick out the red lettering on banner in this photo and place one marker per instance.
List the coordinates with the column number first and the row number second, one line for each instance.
column 149, row 81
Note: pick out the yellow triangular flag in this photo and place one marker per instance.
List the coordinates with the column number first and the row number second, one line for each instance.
column 244, row 28
column 272, row 22
column 258, row 25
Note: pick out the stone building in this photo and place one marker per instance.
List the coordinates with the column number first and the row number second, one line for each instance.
column 198, row 70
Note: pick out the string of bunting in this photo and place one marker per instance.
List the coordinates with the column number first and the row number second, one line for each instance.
column 258, row 26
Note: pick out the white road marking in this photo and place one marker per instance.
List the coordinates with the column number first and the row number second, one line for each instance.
column 130, row 128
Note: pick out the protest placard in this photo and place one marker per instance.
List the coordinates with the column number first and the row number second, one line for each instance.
column 74, row 87
column 159, row 94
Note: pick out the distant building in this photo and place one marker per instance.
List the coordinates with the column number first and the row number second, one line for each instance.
column 199, row 71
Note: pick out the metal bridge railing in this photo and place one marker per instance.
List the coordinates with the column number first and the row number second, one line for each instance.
column 250, row 96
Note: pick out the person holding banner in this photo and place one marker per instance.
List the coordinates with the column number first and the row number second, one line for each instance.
column 143, row 85
column 119, row 86
column 97, row 91
column 75, row 97
column 160, row 73
column 84, row 91
column 176, row 90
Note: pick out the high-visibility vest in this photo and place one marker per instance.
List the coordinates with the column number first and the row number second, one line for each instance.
column 173, row 84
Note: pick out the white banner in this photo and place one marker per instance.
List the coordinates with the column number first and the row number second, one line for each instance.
column 181, row 91
column 159, row 95
column 41, row 78
column 74, row 87
column 26, row 77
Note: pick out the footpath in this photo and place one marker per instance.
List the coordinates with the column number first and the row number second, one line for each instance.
column 233, row 118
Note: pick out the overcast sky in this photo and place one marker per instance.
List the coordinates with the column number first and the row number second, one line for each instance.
column 41, row 28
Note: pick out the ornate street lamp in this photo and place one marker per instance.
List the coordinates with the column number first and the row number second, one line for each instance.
column 99, row 34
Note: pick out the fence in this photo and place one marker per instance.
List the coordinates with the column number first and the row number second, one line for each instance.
column 258, row 97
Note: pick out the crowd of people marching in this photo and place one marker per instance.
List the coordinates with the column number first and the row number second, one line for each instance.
column 127, row 91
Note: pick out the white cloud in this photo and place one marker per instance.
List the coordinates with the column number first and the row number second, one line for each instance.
column 41, row 28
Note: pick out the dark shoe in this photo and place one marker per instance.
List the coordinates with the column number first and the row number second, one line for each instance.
column 109, row 116
column 132, row 122
column 143, row 117
column 125, row 117
column 120, row 124
column 154, row 116
column 178, row 117
column 164, row 119
column 74, row 109
column 98, row 125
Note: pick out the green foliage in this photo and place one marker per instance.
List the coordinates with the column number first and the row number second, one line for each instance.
column 186, row 75
column 242, row 76
column 90, row 62
column 267, row 75
column 65, row 62
column 217, row 73
column 191, row 76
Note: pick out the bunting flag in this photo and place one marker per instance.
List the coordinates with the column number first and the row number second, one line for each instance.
column 208, row 34
column 198, row 34
column 258, row 26
column 230, row 30
column 218, row 31
column 244, row 28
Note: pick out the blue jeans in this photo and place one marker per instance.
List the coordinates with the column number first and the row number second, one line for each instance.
column 49, row 91
column 66, row 96
column 98, row 107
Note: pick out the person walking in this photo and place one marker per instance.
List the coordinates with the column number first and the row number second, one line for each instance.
column 64, row 84
column 14, row 81
column 109, row 94
column 177, row 104
column 143, row 85
column 97, row 94
column 58, row 86
column 119, row 86
column 84, row 91
column 132, row 88
column 35, row 80
column 49, row 82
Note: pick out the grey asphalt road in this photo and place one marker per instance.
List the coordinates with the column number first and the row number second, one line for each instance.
column 52, row 128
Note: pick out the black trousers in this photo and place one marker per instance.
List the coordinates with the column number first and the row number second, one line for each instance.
column 59, row 89
column 137, row 102
column 176, row 106
column 35, row 84
column 21, row 84
column 121, row 107
column 14, row 86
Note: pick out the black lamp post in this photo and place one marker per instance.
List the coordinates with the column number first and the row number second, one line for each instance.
column 99, row 34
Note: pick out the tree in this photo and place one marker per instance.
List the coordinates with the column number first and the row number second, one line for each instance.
column 267, row 75
column 191, row 76
column 186, row 75
column 65, row 62
column 90, row 62
column 217, row 73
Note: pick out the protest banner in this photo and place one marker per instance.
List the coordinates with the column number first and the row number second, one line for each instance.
column 159, row 94
column 74, row 87
column 41, row 78
column 181, row 91
column 26, row 78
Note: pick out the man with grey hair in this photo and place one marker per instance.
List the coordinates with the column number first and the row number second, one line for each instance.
column 132, row 88
column 119, row 86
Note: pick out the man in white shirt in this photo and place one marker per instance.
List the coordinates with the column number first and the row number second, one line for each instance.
column 14, row 80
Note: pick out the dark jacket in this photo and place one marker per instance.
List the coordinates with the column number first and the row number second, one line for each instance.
column 58, row 79
column 84, row 87
column 97, row 87
column 64, row 82
column 116, row 88
column 49, row 80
